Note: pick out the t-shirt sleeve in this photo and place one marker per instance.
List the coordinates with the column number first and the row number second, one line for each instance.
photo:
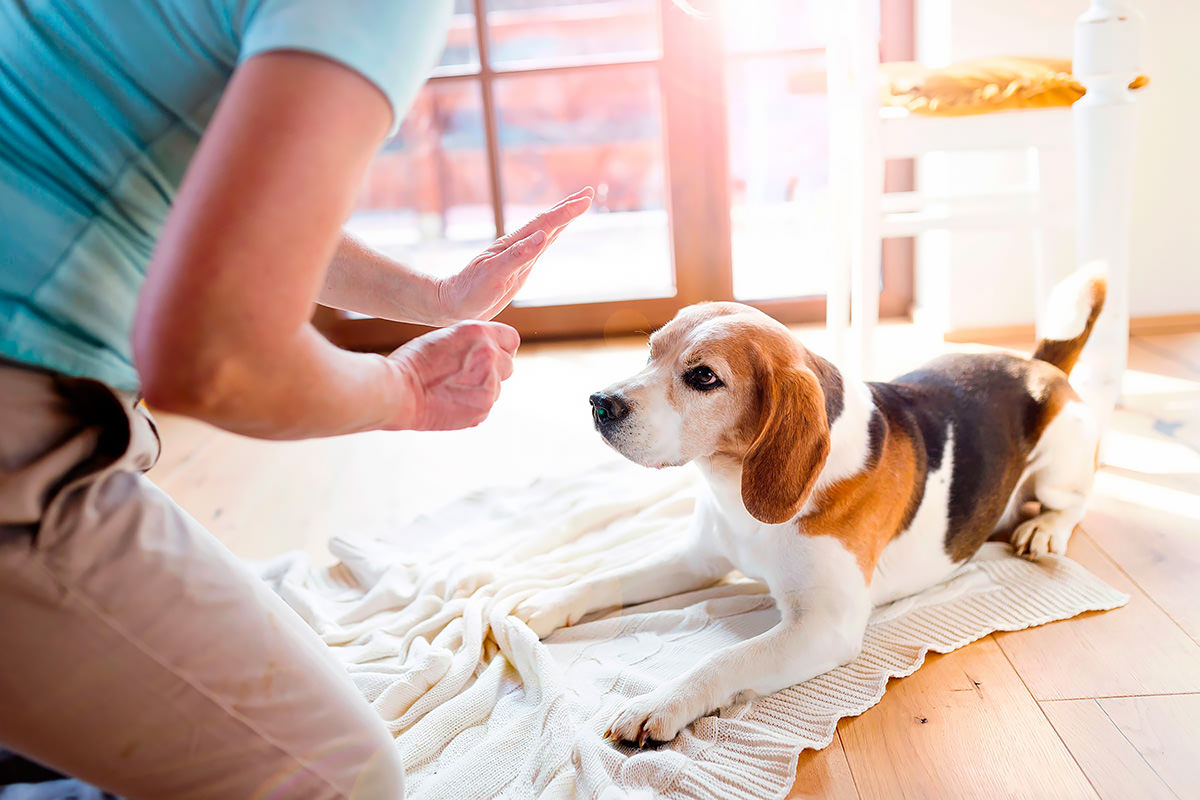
column 392, row 43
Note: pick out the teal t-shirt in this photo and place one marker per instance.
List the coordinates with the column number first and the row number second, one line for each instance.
column 102, row 105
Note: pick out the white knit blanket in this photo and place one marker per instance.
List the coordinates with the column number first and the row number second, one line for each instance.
column 482, row 709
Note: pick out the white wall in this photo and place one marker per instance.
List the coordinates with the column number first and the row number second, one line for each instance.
column 976, row 279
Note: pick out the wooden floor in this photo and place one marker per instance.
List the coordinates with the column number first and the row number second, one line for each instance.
column 1102, row 705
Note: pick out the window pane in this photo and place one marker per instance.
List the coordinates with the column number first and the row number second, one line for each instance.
column 779, row 177
column 462, row 46
column 426, row 200
column 755, row 26
column 565, row 130
column 538, row 31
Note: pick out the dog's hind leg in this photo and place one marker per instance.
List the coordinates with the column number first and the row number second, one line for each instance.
column 1065, row 466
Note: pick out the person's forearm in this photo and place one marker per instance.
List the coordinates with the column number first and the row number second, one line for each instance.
column 301, row 387
column 362, row 280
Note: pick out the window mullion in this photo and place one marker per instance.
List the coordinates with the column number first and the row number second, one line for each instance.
column 490, row 128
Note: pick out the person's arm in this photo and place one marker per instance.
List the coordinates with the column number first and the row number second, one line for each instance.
column 368, row 282
column 222, row 330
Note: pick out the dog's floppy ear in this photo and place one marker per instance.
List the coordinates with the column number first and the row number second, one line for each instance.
column 782, row 464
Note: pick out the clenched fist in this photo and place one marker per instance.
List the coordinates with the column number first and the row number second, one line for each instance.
column 453, row 375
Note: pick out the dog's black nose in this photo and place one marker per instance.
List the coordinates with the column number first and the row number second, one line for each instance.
column 606, row 408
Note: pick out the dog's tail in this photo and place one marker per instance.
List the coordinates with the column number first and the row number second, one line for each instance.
column 1071, row 313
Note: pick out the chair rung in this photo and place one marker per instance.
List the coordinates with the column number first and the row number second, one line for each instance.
column 904, row 202
column 908, row 135
column 912, row 223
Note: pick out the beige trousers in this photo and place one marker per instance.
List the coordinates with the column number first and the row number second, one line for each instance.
column 136, row 652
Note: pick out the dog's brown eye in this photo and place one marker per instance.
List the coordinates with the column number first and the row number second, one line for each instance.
column 701, row 379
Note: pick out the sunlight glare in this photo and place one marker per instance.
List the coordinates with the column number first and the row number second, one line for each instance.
column 1136, row 382
column 1151, row 455
column 1136, row 492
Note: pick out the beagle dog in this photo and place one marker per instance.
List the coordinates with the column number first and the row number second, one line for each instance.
column 839, row 495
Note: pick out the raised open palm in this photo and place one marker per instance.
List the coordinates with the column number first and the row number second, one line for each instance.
column 489, row 283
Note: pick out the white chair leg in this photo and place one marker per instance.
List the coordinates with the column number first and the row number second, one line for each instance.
column 1107, row 43
column 845, row 157
column 864, row 289
column 866, row 189
column 842, row 224
column 837, row 298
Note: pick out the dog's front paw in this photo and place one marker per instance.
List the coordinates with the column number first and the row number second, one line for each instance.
column 549, row 610
column 1045, row 533
column 656, row 716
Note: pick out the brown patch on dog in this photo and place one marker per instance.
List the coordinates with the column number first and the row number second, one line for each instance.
column 784, row 461
column 866, row 510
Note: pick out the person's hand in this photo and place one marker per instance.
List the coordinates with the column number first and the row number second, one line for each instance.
column 453, row 375
column 489, row 282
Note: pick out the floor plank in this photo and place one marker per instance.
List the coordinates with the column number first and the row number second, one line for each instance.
column 1143, row 747
column 824, row 775
column 1165, row 731
column 1158, row 549
column 1132, row 650
column 962, row 726
column 1181, row 349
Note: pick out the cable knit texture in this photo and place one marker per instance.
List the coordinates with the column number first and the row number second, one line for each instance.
column 481, row 709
